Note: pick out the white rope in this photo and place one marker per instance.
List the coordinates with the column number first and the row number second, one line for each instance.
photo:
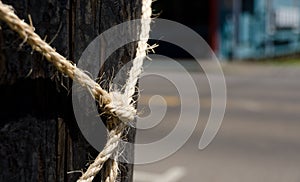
column 109, row 150
column 113, row 103
column 120, row 106
column 123, row 99
column 112, row 169
column 141, row 51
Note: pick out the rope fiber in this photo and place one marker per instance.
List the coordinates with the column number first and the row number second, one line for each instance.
column 119, row 106
column 109, row 101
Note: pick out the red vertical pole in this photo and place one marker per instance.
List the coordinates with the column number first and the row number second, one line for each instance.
column 213, row 24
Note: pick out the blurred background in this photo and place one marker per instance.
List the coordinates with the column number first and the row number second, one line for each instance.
column 238, row 29
column 257, row 43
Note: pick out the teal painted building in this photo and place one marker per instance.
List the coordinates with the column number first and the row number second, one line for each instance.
column 237, row 29
column 250, row 29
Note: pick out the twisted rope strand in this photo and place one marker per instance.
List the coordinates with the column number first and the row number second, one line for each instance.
column 111, row 172
column 131, row 82
column 109, row 101
column 141, row 51
column 117, row 104
column 114, row 137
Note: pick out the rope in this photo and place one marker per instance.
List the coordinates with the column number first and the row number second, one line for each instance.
column 131, row 82
column 118, row 105
column 111, row 172
column 111, row 102
column 114, row 137
column 141, row 50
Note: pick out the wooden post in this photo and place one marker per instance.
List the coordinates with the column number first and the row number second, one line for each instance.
column 40, row 139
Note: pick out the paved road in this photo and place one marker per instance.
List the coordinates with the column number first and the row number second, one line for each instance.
column 259, row 140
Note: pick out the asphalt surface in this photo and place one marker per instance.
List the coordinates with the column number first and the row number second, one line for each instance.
column 259, row 140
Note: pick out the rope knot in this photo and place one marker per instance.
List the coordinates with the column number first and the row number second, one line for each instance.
column 120, row 106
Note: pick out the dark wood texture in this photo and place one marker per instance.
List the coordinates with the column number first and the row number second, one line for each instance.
column 40, row 139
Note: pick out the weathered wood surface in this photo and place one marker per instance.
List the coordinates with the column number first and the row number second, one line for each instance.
column 40, row 140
